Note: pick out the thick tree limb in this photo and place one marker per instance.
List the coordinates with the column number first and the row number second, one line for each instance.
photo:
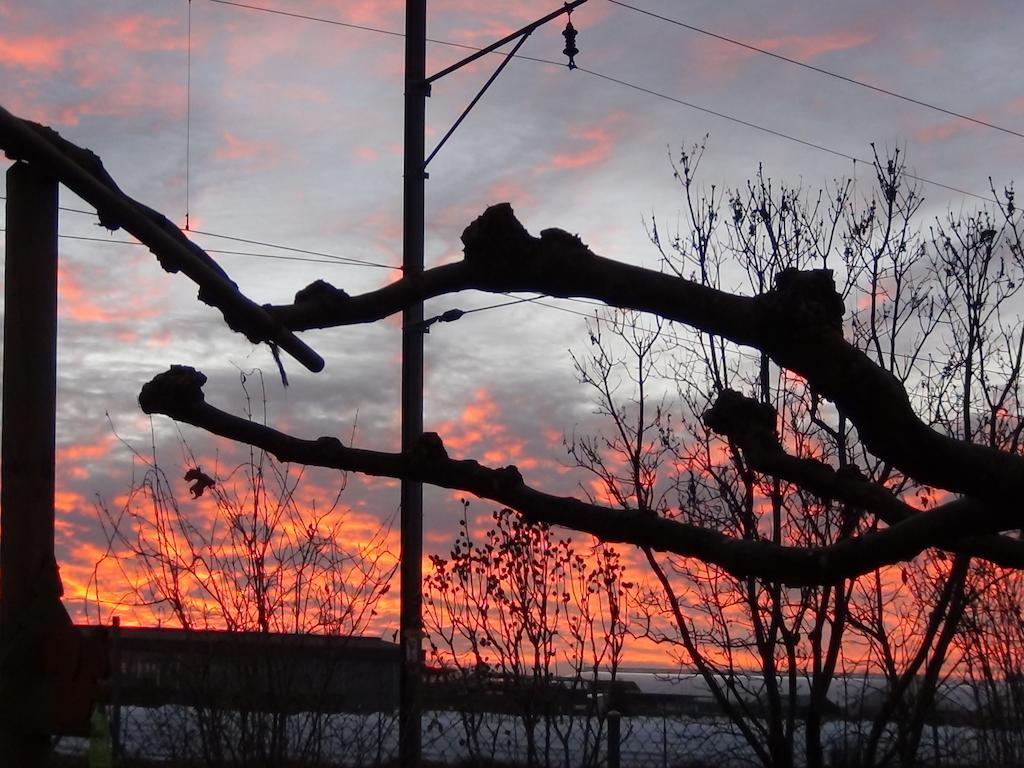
column 178, row 394
column 798, row 324
column 82, row 171
column 752, row 427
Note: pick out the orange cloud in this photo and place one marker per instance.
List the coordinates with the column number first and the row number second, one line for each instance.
column 467, row 430
column 377, row 13
column 36, row 53
column 67, row 501
column 367, row 154
column 718, row 59
column 599, row 147
column 140, row 32
column 591, row 144
column 554, row 437
column 511, row 191
column 91, row 56
column 76, row 302
column 808, row 47
column 234, row 147
column 75, row 460
column 941, row 131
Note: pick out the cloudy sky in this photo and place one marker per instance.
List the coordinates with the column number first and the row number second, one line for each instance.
column 290, row 133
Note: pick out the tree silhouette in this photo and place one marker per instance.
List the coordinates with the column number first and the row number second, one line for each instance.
column 536, row 619
column 796, row 323
column 773, row 658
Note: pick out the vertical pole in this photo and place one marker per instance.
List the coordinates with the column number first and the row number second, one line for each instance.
column 410, row 621
column 27, row 565
column 115, row 689
column 664, row 737
column 614, row 738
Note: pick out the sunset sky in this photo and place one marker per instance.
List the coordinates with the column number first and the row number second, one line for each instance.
column 291, row 134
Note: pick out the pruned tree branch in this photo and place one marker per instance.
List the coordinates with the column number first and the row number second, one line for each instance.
column 178, row 393
column 798, row 324
column 750, row 425
column 82, row 171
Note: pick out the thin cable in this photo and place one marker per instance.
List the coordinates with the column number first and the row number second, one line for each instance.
column 331, row 256
column 497, row 306
column 188, row 116
column 281, row 257
column 691, row 105
column 780, row 134
column 363, row 27
column 819, row 70
column 326, row 258
column 334, row 261
column 309, row 18
column 627, row 84
column 541, row 301
column 63, row 208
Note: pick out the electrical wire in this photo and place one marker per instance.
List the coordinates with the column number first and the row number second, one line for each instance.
column 540, row 301
column 627, row 84
column 780, row 134
column 188, row 117
column 819, row 70
column 340, row 259
column 305, row 17
column 498, row 306
column 64, row 208
column 334, row 260
column 324, row 258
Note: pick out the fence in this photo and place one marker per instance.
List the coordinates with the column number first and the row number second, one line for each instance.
column 240, row 699
column 176, row 735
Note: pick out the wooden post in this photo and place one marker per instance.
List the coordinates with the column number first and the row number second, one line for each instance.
column 27, row 564
column 115, row 689
column 614, row 738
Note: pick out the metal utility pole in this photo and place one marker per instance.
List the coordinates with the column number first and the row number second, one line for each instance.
column 28, row 572
column 417, row 88
column 411, row 578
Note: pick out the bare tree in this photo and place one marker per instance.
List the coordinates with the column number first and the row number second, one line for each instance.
column 767, row 654
column 258, row 558
column 797, row 324
column 518, row 617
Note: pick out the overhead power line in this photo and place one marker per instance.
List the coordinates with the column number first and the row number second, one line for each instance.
column 819, row 70
column 306, row 17
column 307, row 259
column 326, row 258
column 636, row 87
column 451, row 315
column 333, row 257
column 188, row 117
column 782, row 135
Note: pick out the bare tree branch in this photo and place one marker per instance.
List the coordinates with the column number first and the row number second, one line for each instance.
column 82, row 171
column 798, row 324
column 751, row 426
column 178, row 393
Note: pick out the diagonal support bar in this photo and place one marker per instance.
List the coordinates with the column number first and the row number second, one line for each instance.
column 478, row 96
column 507, row 39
